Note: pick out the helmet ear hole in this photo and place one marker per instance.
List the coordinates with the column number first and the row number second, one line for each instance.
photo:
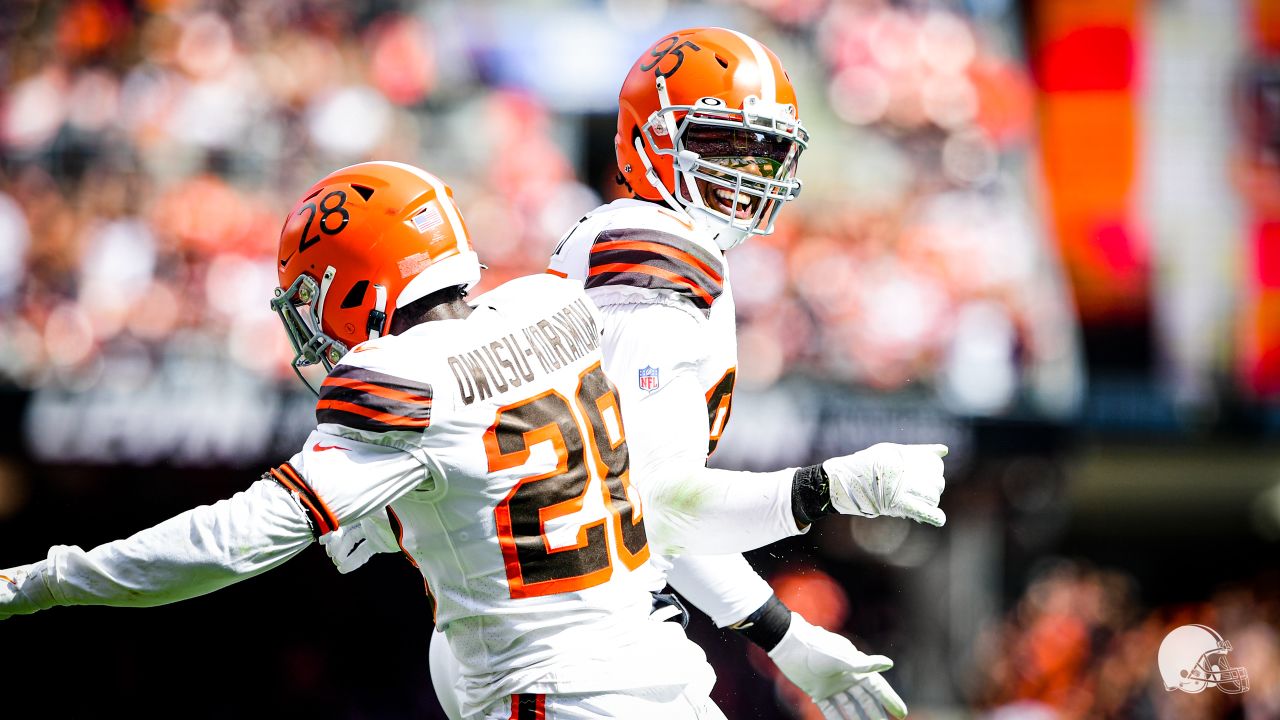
column 355, row 296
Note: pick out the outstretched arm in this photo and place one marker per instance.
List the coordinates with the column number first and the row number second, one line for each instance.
column 213, row 546
column 191, row 554
column 710, row 511
column 824, row 664
column 690, row 508
column 696, row 509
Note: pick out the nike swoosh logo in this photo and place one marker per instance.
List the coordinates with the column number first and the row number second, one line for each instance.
column 286, row 260
column 356, row 547
column 321, row 448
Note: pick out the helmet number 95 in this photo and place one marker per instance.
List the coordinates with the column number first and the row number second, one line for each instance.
column 330, row 205
column 673, row 47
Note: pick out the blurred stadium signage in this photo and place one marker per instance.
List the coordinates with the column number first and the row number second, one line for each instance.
column 221, row 417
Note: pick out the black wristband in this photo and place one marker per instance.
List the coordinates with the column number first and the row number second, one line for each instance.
column 766, row 626
column 810, row 495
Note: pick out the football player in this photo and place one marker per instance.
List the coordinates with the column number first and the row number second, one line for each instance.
column 489, row 437
column 708, row 139
column 709, row 136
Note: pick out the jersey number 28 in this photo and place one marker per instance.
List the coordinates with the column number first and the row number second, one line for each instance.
column 533, row 566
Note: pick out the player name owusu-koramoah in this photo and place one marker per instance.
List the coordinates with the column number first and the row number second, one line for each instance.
column 509, row 362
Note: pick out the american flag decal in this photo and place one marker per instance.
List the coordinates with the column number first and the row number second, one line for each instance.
column 648, row 378
column 427, row 219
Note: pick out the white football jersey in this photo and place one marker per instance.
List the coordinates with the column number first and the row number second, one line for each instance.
column 497, row 444
column 669, row 319
column 524, row 525
column 636, row 253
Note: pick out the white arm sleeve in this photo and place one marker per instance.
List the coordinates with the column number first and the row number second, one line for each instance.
column 212, row 546
column 687, row 506
column 725, row 587
column 196, row 552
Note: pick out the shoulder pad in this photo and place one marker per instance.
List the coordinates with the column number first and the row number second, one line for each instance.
column 371, row 401
column 654, row 259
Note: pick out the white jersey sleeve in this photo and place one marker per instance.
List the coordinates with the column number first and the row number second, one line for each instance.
column 212, row 546
column 652, row 354
column 725, row 587
column 196, row 552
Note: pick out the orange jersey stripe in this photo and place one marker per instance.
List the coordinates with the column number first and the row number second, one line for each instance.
column 656, row 272
column 322, row 527
column 659, row 249
column 319, row 501
column 381, row 417
column 557, row 273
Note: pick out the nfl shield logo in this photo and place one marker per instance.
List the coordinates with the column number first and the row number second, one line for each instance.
column 648, row 378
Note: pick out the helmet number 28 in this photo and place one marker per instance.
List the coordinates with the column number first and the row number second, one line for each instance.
column 673, row 46
column 327, row 210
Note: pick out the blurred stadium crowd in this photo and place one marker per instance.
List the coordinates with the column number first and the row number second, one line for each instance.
column 1076, row 644
column 148, row 149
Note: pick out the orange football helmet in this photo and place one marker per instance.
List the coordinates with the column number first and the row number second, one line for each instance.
column 707, row 104
column 361, row 243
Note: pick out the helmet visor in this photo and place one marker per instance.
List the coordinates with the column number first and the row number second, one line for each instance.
column 752, row 151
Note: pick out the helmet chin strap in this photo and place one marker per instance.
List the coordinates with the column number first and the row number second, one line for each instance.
column 729, row 236
column 378, row 315
column 651, row 175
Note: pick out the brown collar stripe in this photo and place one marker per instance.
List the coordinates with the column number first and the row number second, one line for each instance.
column 653, row 259
column 528, row 707
column 367, row 400
column 319, row 515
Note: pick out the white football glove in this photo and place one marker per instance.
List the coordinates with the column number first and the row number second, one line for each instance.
column 23, row 590
column 889, row 479
column 843, row 681
column 351, row 546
